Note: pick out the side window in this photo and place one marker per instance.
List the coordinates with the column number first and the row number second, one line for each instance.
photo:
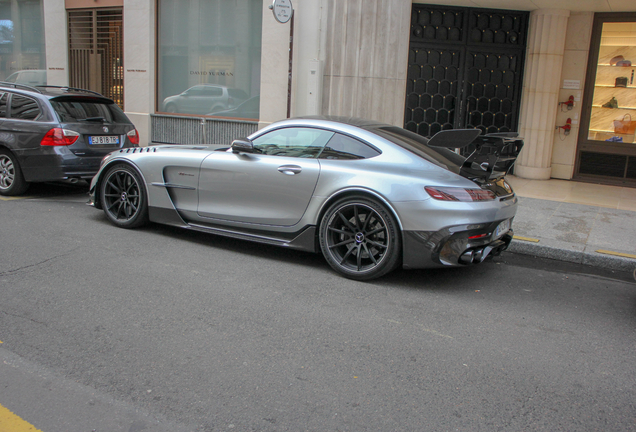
column 211, row 91
column 3, row 105
column 293, row 142
column 195, row 91
column 344, row 147
column 24, row 108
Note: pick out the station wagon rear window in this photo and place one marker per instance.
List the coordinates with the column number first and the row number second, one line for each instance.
column 70, row 111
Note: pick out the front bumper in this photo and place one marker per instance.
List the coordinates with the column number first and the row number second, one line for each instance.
column 453, row 246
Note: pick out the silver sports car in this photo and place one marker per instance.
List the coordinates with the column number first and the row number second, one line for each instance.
column 369, row 196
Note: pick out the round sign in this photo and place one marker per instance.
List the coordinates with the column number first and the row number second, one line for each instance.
column 283, row 10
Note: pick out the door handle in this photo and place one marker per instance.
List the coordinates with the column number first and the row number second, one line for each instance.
column 290, row 169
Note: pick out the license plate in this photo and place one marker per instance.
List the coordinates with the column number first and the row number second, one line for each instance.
column 103, row 140
column 502, row 228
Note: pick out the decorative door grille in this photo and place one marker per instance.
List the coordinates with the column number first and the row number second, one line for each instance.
column 96, row 54
column 465, row 69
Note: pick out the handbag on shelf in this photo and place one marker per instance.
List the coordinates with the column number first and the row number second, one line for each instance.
column 620, row 82
column 625, row 126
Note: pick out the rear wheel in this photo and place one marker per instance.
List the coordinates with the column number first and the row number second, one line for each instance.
column 360, row 238
column 11, row 180
column 123, row 197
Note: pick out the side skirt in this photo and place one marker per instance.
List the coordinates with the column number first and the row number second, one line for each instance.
column 304, row 240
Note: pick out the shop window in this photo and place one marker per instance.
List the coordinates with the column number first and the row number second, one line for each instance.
column 606, row 148
column 22, row 53
column 209, row 57
column 613, row 116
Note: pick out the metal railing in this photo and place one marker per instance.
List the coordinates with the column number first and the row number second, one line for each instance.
column 168, row 129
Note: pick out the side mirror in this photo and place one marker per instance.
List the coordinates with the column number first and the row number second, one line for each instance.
column 242, row 145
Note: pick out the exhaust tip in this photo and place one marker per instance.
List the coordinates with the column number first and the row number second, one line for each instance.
column 467, row 257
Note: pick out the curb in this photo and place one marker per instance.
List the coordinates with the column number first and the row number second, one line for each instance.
column 572, row 253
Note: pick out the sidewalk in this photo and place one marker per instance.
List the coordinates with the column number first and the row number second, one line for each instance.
column 576, row 222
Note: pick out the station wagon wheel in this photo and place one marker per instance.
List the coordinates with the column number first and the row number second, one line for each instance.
column 360, row 239
column 11, row 180
column 124, row 197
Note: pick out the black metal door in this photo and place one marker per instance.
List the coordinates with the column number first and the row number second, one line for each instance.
column 465, row 69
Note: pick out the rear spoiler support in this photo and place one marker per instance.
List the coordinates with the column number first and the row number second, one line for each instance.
column 494, row 154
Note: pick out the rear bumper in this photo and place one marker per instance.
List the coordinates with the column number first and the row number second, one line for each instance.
column 453, row 246
column 57, row 164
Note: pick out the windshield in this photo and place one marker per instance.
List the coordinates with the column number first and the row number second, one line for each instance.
column 419, row 145
column 76, row 110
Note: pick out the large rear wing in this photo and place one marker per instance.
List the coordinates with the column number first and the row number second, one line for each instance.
column 494, row 154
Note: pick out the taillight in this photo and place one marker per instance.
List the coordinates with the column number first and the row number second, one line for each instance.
column 459, row 194
column 133, row 136
column 59, row 137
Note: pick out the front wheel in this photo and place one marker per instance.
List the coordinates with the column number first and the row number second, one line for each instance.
column 123, row 197
column 11, row 180
column 360, row 238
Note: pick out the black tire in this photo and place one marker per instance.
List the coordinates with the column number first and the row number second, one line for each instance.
column 123, row 197
column 360, row 238
column 11, row 179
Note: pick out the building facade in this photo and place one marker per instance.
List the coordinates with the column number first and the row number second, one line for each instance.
column 193, row 71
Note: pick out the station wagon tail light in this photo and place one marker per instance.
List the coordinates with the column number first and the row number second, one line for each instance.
column 59, row 137
column 133, row 136
column 459, row 194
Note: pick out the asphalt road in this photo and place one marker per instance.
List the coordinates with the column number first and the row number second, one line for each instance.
column 108, row 329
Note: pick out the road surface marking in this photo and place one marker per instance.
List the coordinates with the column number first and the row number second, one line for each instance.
column 13, row 198
column 624, row 255
column 10, row 422
column 528, row 239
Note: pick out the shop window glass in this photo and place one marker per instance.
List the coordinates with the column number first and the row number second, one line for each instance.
column 22, row 53
column 613, row 116
column 209, row 57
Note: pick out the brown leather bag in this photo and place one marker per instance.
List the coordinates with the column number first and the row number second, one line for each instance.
column 625, row 126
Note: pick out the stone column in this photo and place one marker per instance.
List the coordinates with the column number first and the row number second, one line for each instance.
column 367, row 46
column 539, row 103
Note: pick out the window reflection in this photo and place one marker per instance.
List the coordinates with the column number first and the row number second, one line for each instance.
column 209, row 57
column 22, row 53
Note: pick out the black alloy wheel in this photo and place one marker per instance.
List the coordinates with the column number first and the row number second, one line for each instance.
column 360, row 239
column 124, row 197
column 11, row 180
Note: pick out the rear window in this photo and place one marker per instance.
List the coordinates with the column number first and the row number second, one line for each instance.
column 344, row 147
column 70, row 111
column 419, row 145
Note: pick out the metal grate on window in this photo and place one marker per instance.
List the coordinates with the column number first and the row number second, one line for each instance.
column 96, row 51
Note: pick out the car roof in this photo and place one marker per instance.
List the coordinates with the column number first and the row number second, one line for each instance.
column 51, row 92
column 350, row 121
